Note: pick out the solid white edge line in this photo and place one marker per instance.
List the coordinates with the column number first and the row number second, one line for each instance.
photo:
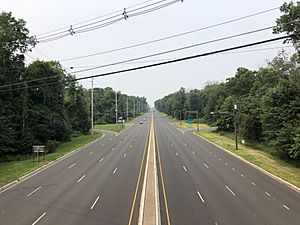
column 253, row 183
column 91, row 153
column 206, row 165
column 35, row 190
column 267, row 193
column 80, row 178
column 95, row 202
column 184, row 168
column 230, row 190
column 200, row 196
column 124, row 155
column 38, row 219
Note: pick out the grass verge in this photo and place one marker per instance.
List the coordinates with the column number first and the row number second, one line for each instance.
column 264, row 160
column 111, row 127
column 10, row 171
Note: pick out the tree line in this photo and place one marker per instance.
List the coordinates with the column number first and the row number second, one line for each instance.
column 40, row 104
column 267, row 99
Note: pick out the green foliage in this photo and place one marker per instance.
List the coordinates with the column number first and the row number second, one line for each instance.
column 289, row 22
column 268, row 103
column 49, row 106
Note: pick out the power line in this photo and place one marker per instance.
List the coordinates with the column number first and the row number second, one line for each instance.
column 175, row 50
column 156, row 64
column 170, row 37
column 149, row 56
column 107, row 21
column 98, row 17
column 160, row 60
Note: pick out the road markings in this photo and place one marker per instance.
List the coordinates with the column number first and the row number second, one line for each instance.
column 206, row 165
column 230, row 190
column 100, row 160
column 172, row 145
column 124, row 155
column 162, row 180
column 220, row 159
column 233, row 169
column 35, row 190
column 91, row 153
column 267, row 193
column 113, row 149
column 253, row 183
column 138, row 181
column 72, row 165
column 200, row 196
column 130, row 146
column 102, row 144
column 81, row 178
column 38, row 219
column 95, row 202
column 185, row 144
column 286, row 207
column 215, row 156
column 115, row 170
column 176, row 154
column 242, row 175
column 184, row 168
column 193, row 152
column 110, row 139
column 226, row 164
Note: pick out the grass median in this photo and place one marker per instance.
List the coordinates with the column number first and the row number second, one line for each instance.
column 112, row 127
column 10, row 171
column 261, row 158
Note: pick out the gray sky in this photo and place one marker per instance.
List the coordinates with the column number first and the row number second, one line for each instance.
column 47, row 15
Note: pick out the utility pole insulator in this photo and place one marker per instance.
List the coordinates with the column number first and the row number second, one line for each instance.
column 125, row 14
column 72, row 32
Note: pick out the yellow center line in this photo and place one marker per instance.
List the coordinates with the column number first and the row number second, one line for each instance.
column 138, row 181
column 162, row 179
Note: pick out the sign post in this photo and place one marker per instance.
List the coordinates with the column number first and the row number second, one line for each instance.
column 36, row 150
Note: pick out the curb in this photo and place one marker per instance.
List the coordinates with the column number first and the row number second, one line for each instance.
column 45, row 166
column 286, row 183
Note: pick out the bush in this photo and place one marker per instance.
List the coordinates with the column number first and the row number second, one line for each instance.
column 51, row 146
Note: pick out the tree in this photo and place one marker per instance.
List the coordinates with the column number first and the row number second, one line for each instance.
column 289, row 22
column 14, row 41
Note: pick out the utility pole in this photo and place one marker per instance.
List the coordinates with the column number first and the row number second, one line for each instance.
column 197, row 120
column 116, row 107
column 127, row 109
column 134, row 108
column 92, row 107
column 235, row 126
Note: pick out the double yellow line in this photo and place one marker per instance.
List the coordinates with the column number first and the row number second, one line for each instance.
column 140, row 173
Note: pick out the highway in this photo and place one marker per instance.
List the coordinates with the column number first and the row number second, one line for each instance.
column 206, row 185
column 198, row 184
column 96, row 185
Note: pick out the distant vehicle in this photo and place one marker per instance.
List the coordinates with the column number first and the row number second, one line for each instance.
column 141, row 122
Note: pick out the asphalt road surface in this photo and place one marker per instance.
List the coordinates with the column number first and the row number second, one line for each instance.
column 96, row 185
column 198, row 183
column 205, row 185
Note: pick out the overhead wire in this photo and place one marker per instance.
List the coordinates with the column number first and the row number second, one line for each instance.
column 94, row 18
column 152, row 65
column 169, row 37
column 105, row 22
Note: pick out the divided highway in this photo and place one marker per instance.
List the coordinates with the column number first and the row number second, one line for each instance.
column 198, row 184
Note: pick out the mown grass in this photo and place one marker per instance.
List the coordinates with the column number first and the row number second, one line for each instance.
column 112, row 127
column 262, row 158
column 10, row 171
column 184, row 124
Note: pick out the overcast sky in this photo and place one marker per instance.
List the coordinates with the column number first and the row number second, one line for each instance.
column 47, row 15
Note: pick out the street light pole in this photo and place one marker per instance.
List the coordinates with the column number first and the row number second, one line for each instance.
column 92, row 107
column 127, row 109
column 235, row 126
column 116, row 107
